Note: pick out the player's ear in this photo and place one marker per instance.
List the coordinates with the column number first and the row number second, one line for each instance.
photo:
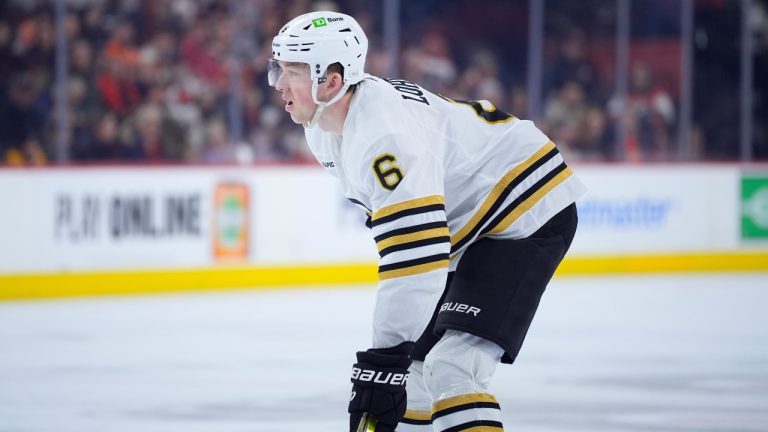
column 335, row 82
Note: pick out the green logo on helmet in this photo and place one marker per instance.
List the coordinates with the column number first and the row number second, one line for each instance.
column 320, row 22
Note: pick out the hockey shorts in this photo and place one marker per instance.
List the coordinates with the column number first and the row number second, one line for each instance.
column 497, row 285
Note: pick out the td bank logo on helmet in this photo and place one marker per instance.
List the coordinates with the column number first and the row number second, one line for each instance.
column 322, row 22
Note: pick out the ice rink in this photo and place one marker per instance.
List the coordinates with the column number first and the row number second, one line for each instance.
column 650, row 353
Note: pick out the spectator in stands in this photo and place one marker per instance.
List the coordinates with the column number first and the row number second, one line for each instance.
column 564, row 117
column 120, row 45
column 29, row 153
column 184, row 99
column 81, row 66
column 517, row 104
column 648, row 116
column 431, row 63
column 72, row 27
column 118, row 91
column 82, row 113
column 24, row 45
column 197, row 53
column 269, row 140
column 480, row 81
column 21, row 121
column 217, row 148
column 6, row 67
column 377, row 62
column 157, row 137
column 573, row 65
column 597, row 136
column 43, row 54
column 104, row 143
column 95, row 24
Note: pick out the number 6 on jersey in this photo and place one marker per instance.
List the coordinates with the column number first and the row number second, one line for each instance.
column 387, row 172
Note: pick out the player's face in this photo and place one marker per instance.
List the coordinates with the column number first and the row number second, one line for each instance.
column 295, row 86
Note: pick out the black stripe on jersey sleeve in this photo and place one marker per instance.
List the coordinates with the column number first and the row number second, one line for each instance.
column 408, row 212
column 500, row 200
column 468, row 406
column 530, row 191
column 415, row 244
column 409, row 230
column 411, row 421
column 413, row 262
column 473, row 424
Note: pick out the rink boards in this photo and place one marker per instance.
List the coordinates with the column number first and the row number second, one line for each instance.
column 119, row 230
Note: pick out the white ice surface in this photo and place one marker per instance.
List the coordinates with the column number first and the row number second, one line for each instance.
column 661, row 353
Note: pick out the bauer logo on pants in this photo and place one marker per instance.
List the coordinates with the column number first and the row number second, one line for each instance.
column 459, row 307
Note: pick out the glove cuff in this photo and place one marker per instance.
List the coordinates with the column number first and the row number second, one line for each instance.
column 396, row 356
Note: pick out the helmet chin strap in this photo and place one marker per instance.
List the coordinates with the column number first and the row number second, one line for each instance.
column 321, row 106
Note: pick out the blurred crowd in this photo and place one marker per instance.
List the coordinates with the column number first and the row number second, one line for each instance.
column 172, row 81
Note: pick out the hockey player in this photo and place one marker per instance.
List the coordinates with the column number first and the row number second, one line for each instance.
column 472, row 211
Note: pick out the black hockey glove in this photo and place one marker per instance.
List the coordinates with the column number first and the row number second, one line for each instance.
column 378, row 386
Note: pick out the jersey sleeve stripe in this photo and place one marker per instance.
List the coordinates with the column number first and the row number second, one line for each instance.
column 457, row 408
column 411, row 271
column 413, row 253
column 418, row 417
column 477, row 426
column 409, row 229
column 527, row 200
column 414, row 244
column 413, row 262
column 412, row 237
column 467, row 399
column 500, row 192
column 408, row 212
column 414, row 204
column 413, row 267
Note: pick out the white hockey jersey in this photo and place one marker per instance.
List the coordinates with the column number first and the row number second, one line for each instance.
column 435, row 175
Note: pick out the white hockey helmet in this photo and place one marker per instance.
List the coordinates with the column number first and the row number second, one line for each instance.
column 321, row 39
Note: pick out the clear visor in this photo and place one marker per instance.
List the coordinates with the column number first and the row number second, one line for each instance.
column 273, row 71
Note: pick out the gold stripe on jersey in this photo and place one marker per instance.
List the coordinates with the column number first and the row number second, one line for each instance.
column 407, row 205
column 531, row 201
column 497, row 190
column 417, row 417
column 409, row 238
column 413, row 270
column 467, row 399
